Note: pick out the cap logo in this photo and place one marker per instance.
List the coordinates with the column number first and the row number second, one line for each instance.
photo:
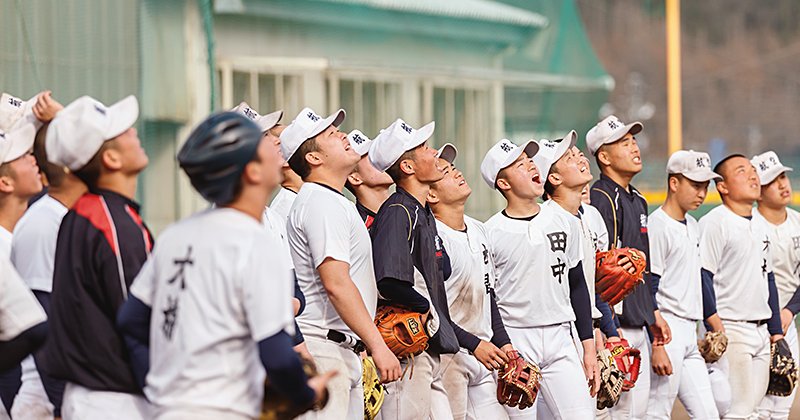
column 3, row 135
column 550, row 144
column 15, row 102
column 312, row 116
column 773, row 160
column 763, row 166
column 506, row 147
column 702, row 162
column 100, row 110
column 250, row 113
column 613, row 124
column 406, row 128
column 358, row 139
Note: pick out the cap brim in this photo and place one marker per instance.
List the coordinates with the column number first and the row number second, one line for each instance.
column 633, row 128
column 422, row 135
column 448, row 152
column 334, row 119
column 531, row 148
column 20, row 142
column 270, row 120
column 702, row 176
column 774, row 174
column 123, row 115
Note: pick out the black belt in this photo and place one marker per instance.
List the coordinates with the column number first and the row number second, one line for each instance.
column 358, row 346
column 759, row 322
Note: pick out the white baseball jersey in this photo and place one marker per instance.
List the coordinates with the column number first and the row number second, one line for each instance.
column 283, row 201
column 785, row 248
column 675, row 257
column 33, row 247
column 5, row 243
column 590, row 240
column 324, row 224
column 276, row 226
column 737, row 251
column 597, row 226
column 472, row 280
column 19, row 309
column 532, row 260
column 216, row 286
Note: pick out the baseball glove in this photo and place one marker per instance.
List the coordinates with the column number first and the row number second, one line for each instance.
column 713, row 346
column 611, row 379
column 518, row 384
column 782, row 370
column 276, row 406
column 402, row 330
column 627, row 360
column 613, row 282
column 373, row 389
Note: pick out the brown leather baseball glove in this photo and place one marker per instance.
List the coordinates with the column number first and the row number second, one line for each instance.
column 402, row 330
column 518, row 383
column 612, row 281
column 713, row 346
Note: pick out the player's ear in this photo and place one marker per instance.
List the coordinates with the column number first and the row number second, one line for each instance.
column 554, row 179
column 407, row 166
column 433, row 196
column 722, row 188
column 502, row 184
column 6, row 184
column 603, row 158
column 314, row 158
column 354, row 179
column 111, row 158
column 672, row 183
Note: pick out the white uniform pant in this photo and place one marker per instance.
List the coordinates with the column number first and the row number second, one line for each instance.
column 198, row 414
column 81, row 403
column 31, row 402
column 774, row 407
column 689, row 375
column 746, row 363
column 419, row 396
column 633, row 404
column 563, row 389
column 470, row 387
column 346, row 390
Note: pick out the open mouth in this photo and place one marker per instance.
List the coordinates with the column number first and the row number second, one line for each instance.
column 536, row 179
column 637, row 159
column 347, row 147
column 462, row 182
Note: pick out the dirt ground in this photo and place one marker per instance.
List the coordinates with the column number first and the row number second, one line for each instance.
column 679, row 413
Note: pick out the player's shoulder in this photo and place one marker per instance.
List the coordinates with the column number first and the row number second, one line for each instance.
column 793, row 216
column 714, row 216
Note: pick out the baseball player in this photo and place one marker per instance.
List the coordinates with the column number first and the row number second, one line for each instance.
column 33, row 252
column 23, row 323
column 102, row 243
column 274, row 222
column 735, row 256
column 332, row 257
column 369, row 185
column 675, row 273
column 540, row 285
column 410, row 265
column 624, row 211
column 283, row 200
column 783, row 226
column 467, row 375
column 214, row 301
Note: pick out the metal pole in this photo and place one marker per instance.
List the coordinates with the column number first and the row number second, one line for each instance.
column 675, row 139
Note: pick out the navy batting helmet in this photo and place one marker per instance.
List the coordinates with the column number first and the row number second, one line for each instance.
column 215, row 154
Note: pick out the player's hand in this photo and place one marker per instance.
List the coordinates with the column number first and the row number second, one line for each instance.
column 490, row 356
column 659, row 359
column 388, row 366
column 319, row 384
column 627, row 264
column 46, row 108
column 661, row 333
column 590, row 367
column 302, row 351
column 786, row 319
column 613, row 339
column 775, row 338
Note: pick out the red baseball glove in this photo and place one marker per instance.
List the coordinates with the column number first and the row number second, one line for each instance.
column 518, row 384
column 612, row 281
column 402, row 330
column 627, row 359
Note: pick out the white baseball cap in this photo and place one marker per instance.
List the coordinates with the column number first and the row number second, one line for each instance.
column 359, row 142
column 17, row 142
column 80, row 129
column 551, row 151
column 608, row 131
column 14, row 111
column 502, row 154
column 395, row 140
column 768, row 167
column 447, row 152
column 693, row 165
column 306, row 125
column 265, row 122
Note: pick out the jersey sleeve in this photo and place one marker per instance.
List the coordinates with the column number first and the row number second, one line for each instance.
column 143, row 286
column 712, row 242
column 659, row 247
column 601, row 200
column 267, row 289
column 574, row 251
column 19, row 309
column 391, row 244
column 328, row 233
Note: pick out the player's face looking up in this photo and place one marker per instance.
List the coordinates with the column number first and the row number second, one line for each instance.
column 571, row 170
column 689, row 194
column 21, row 176
column 522, row 178
column 623, row 155
column 334, row 150
column 270, row 159
column 127, row 152
column 425, row 164
column 740, row 180
column 778, row 193
column 452, row 187
column 371, row 176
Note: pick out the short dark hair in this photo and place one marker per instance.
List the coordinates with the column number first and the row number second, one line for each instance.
column 394, row 171
column 298, row 161
column 721, row 165
column 55, row 173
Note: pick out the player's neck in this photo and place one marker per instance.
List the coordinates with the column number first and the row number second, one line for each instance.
column 11, row 210
column 520, row 207
column 372, row 197
column 744, row 209
column 774, row 215
column 568, row 199
column 417, row 189
column 673, row 210
column 124, row 185
column 321, row 175
column 622, row 179
column 68, row 192
column 451, row 215
column 291, row 181
column 251, row 201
